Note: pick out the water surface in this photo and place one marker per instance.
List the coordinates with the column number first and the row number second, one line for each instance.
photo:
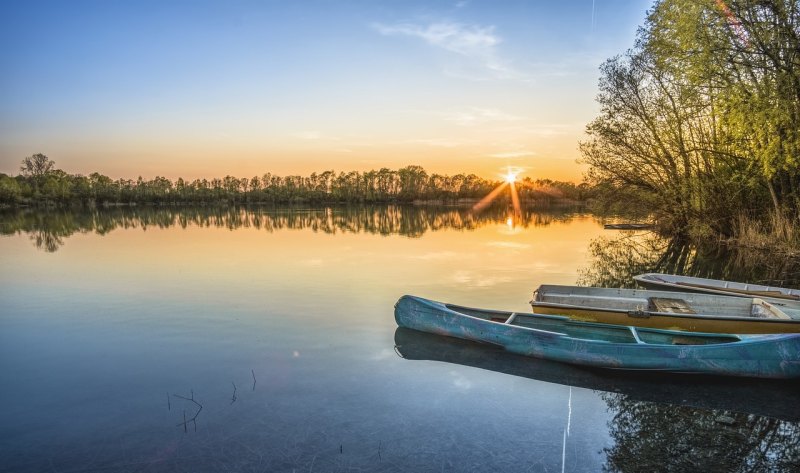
column 264, row 340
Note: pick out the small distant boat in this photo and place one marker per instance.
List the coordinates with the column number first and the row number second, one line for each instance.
column 772, row 294
column 693, row 312
column 558, row 338
column 628, row 226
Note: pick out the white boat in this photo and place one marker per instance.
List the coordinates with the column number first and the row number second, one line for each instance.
column 780, row 296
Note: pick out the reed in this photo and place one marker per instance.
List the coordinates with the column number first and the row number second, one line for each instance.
column 777, row 233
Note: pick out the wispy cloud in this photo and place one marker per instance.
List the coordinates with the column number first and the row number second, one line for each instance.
column 312, row 262
column 475, row 42
column 553, row 130
column 314, row 135
column 512, row 154
column 436, row 142
column 468, row 40
column 479, row 116
column 308, row 135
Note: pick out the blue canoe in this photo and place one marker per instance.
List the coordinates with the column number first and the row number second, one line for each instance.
column 607, row 346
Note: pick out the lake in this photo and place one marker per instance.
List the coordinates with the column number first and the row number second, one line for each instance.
column 165, row 339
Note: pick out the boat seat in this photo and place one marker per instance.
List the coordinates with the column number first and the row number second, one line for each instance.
column 765, row 310
column 665, row 304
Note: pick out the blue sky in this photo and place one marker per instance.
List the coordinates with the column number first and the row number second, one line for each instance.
column 202, row 89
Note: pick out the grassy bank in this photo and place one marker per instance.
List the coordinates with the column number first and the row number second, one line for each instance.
column 777, row 234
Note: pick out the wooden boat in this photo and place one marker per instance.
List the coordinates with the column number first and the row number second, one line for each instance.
column 773, row 398
column 693, row 312
column 558, row 338
column 673, row 282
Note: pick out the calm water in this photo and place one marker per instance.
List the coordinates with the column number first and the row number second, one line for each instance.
column 279, row 325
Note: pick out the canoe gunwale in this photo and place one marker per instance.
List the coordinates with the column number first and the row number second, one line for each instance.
column 438, row 307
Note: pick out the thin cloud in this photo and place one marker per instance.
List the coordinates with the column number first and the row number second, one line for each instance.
column 308, row 135
column 512, row 155
column 313, row 135
column 436, row 142
column 552, row 130
column 479, row 116
column 473, row 116
column 475, row 42
column 467, row 40
column 312, row 262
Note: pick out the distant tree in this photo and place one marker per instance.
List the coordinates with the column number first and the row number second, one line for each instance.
column 36, row 166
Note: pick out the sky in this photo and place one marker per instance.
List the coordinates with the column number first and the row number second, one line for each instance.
column 202, row 89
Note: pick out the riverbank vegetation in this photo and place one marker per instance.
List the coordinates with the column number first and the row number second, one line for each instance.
column 700, row 122
column 40, row 184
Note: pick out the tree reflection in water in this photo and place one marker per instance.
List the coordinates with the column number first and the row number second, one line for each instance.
column 48, row 228
column 616, row 260
column 660, row 437
column 46, row 240
column 663, row 437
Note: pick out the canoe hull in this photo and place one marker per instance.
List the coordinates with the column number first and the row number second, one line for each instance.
column 762, row 356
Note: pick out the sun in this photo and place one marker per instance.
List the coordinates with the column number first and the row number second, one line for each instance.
column 510, row 181
column 511, row 177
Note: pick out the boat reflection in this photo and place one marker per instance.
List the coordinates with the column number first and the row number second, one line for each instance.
column 771, row 398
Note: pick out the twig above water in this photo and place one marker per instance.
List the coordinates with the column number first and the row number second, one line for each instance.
column 194, row 418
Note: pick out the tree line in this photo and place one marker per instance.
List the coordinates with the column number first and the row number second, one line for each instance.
column 700, row 120
column 39, row 183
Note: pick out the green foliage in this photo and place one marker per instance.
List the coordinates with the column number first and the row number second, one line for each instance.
column 703, row 114
column 411, row 183
column 10, row 190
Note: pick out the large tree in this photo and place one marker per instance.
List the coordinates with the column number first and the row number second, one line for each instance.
column 703, row 114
